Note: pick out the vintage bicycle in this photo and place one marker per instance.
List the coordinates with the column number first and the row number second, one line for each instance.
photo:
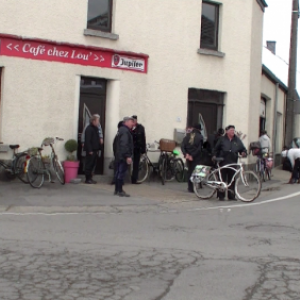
column 37, row 167
column 207, row 181
column 17, row 165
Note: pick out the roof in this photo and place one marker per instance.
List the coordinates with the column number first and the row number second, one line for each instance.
column 263, row 4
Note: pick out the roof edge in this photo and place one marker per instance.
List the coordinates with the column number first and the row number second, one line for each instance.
column 263, row 4
column 273, row 77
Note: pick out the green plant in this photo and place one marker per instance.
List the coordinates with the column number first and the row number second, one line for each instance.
column 71, row 146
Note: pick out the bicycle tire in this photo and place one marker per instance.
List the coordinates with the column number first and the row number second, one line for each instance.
column 143, row 167
column 248, row 176
column 179, row 170
column 19, row 168
column 59, row 170
column 170, row 168
column 35, row 172
column 204, row 191
column 163, row 169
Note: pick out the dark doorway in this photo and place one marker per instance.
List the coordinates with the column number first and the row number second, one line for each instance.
column 92, row 101
column 205, row 107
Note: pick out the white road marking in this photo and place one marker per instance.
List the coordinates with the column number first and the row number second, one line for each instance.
column 221, row 208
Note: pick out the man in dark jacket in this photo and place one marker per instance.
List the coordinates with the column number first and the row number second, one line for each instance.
column 123, row 154
column 139, row 143
column 91, row 146
column 228, row 147
column 191, row 148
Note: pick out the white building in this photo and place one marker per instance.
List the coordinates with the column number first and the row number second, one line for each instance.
column 171, row 64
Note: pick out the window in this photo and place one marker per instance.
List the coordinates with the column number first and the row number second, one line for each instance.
column 209, row 26
column 99, row 15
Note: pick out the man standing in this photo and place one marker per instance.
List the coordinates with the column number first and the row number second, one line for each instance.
column 123, row 154
column 91, row 146
column 265, row 142
column 191, row 148
column 294, row 157
column 228, row 147
column 100, row 132
column 139, row 142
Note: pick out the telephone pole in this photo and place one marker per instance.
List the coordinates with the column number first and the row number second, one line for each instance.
column 292, row 94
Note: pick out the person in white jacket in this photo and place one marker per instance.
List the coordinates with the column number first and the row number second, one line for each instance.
column 294, row 157
column 265, row 142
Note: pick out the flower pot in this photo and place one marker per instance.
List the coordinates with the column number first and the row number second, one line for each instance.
column 71, row 170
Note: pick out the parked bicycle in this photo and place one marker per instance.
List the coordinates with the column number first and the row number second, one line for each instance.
column 169, row 165
column 264, row 166
column 17, row 165
column 207, row 181
column 37, row 166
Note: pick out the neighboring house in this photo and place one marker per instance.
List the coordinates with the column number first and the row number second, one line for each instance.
column 172, row 63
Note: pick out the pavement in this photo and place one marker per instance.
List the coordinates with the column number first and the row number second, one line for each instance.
column 148, row 247
column 53, row 197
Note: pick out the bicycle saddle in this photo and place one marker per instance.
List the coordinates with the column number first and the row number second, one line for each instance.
column 14, row 147
column 219, row 159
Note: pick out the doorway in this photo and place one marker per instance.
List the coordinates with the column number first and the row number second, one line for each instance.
column 205, row 107
column 92, row 101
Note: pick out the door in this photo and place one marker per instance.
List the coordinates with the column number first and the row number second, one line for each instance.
column 205, row 114
column 92, row 101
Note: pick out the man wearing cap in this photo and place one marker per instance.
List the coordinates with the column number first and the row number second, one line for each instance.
column 139, row 143
column 123, row 153
column 91, row 146
column 191, row 148
column 228, row 147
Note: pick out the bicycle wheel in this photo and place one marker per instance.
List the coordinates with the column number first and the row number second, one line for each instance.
column 35, row 172
column 162, row 168
column 179, row 169
column 143, row 169
column 59, row 170
column 247, row 186
column 170, row 168
column 19, row 167
column 203, row 189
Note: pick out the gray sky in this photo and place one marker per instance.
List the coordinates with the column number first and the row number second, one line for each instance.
column 277, row 26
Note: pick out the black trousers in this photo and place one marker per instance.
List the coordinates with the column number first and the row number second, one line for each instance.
column 90, row 163
column 227, row 175
column 191, row 165
column 295, row 173
column 135, row 167
column 122, row 168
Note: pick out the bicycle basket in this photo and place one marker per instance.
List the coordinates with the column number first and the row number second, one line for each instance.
column 167, row 145
column 200, row 173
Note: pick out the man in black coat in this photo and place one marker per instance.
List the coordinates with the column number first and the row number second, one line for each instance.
column 229, row 147
column 91, row 146
column 139, row 142
column 191, row 148
column 123, row 148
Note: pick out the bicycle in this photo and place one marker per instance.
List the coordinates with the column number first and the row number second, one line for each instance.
column 175, row 167
column 17, row 166
column 37, row 167
column 262, row 166
column 208, row 180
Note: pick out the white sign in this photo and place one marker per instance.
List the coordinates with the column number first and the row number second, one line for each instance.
column 123, row 62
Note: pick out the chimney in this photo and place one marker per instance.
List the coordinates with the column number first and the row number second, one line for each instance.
column 271, row 45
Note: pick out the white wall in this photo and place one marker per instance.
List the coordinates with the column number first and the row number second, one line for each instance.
column 41, row 98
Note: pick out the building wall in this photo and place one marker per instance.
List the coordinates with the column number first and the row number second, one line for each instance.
column 40, row 99
column 268, row 90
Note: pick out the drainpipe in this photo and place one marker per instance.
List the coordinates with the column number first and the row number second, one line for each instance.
column 274, row 139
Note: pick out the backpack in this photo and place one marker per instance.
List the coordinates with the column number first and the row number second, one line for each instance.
column 255, row 148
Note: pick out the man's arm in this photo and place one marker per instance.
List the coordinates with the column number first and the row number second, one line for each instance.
column 216, row 150
column 143, row 142
column 198, row 149
column 243, row 149
column 100, row 132
column 124, row 145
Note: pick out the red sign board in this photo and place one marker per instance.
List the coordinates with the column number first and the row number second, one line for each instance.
column 72, row 54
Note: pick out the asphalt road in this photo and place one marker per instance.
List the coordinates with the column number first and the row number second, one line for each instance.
column 216, row 251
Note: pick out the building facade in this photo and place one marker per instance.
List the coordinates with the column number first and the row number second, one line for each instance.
column 172, row 64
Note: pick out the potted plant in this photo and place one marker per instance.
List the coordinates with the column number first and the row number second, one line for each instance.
column 71, row 165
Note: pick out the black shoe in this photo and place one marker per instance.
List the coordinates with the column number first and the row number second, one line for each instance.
column 116, row 193
column 88, row 182
column 221, row 199
column 123, row 194
column 113, row 183
column 93, row 181
column 190, row 191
